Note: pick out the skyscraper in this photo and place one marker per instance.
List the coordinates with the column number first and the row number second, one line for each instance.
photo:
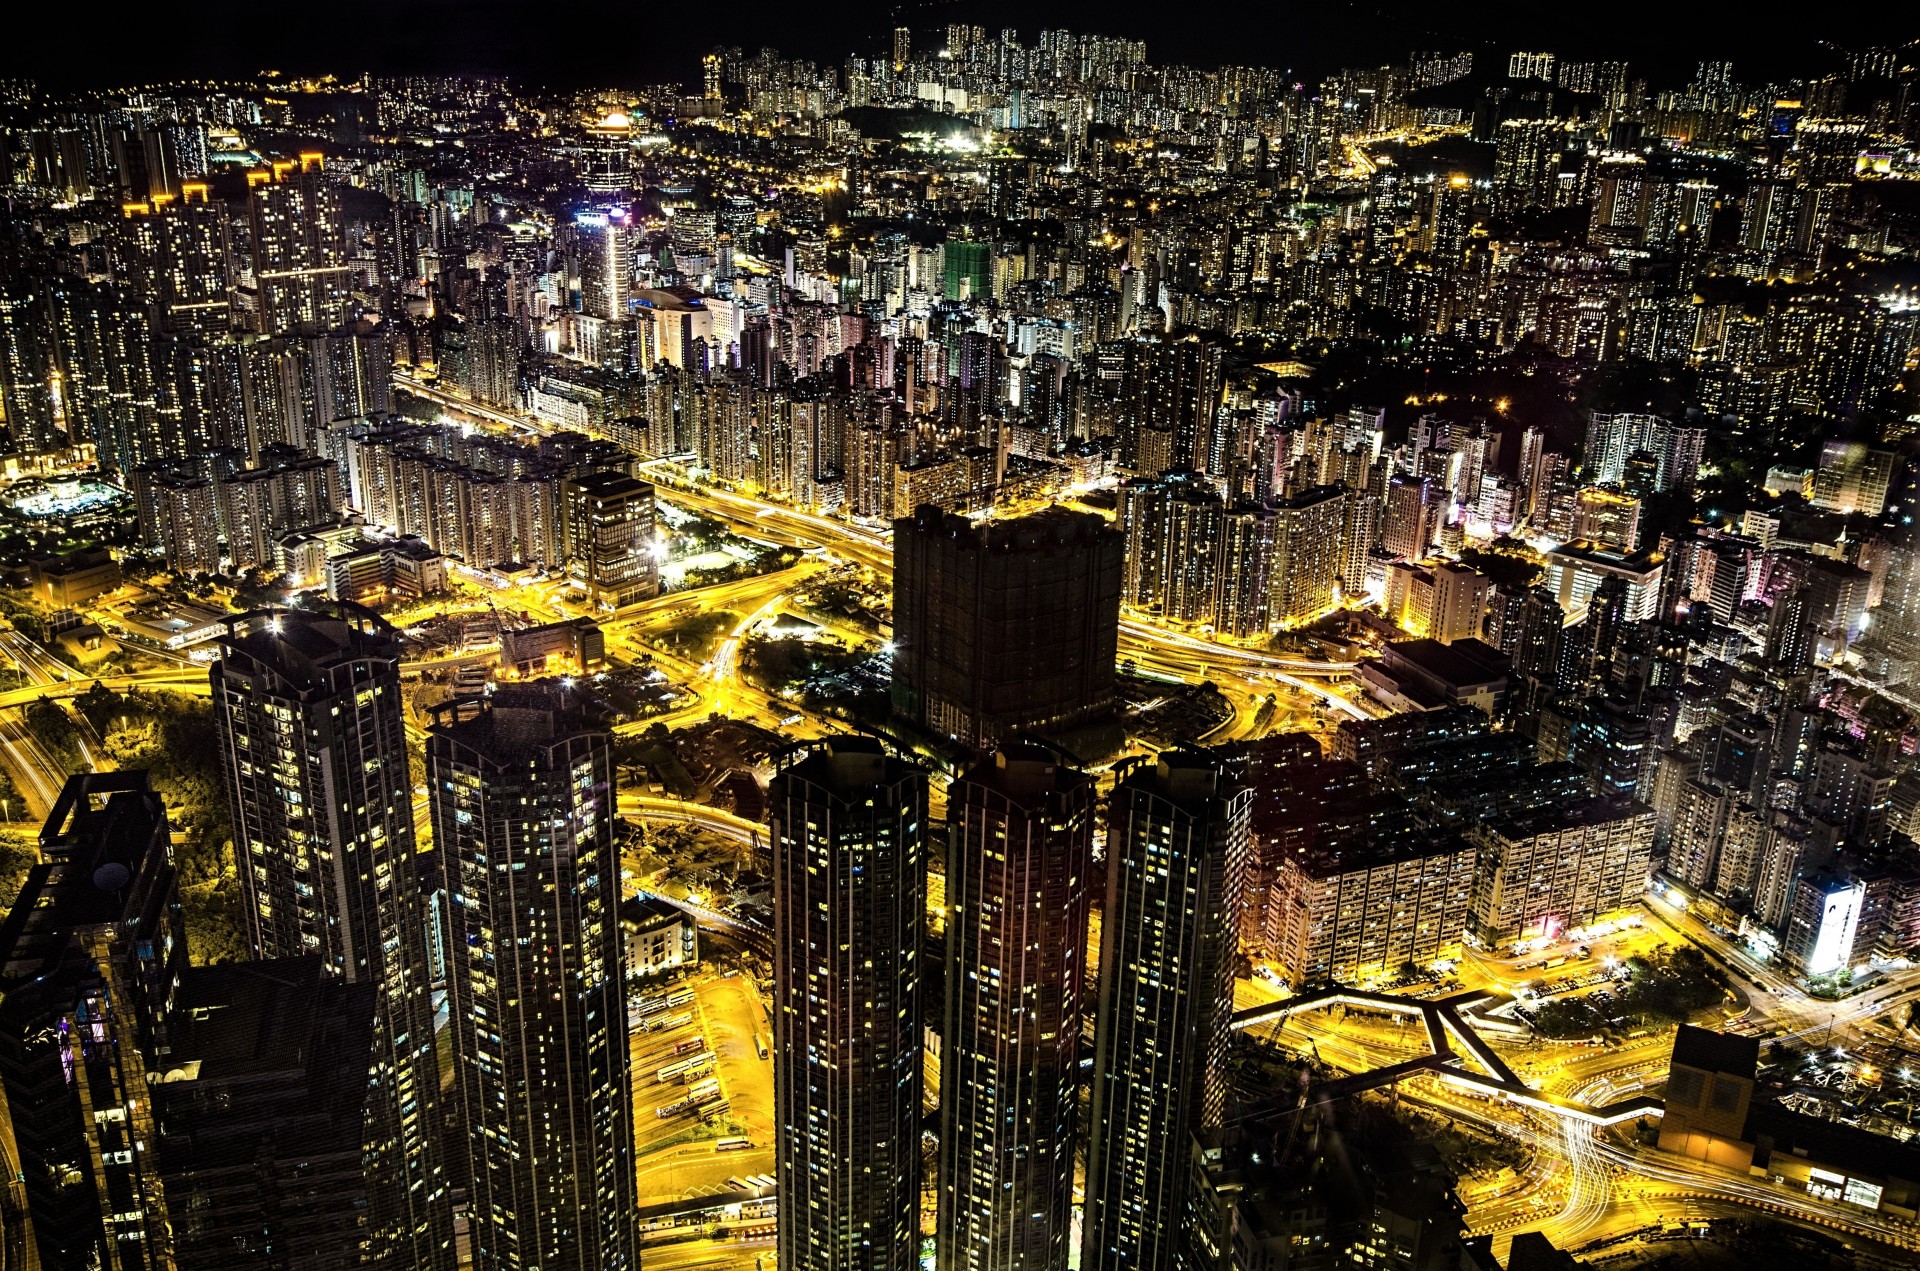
column 1174, row 529
column 522, row 794
column 27, row 391
column 177, row 253
column 603, row 261
column 313, row 739
column 1308, row 555
column 848, row 825
column 1019, row 883
column 1007, row 626
column 91, row 951
column 1613, row 439
column 1177, row 842
column 1527, row 163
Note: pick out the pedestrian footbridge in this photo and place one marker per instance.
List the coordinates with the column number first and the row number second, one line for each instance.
column 1452, row 1045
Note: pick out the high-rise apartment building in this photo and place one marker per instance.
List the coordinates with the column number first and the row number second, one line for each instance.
column 27, row 389
column 1241, row 598
column 298, row 247
column 1019, row 886
column 848, row 824
column 522, row 791
column 314, row 751
column 1309, row 555
column 1173, row 525
column 1177, row 842
column 1006, row 626
column 91, row 951
column 1614, row 439
column 1459, row 609
column 1549, row 871
column 1411, row 515
column 178, row 253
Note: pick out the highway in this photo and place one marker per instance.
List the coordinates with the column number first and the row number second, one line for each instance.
column 1584, row 1184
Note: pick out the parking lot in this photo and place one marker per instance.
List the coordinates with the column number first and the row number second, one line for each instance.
column 706, row 1035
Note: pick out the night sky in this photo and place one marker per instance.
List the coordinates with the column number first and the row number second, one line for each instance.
column 629, row 42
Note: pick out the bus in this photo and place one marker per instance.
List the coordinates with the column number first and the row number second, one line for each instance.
column 735, row 1143
column 689, row 1046
column 659, row 1022
column 666, row 1110
column 673, row 1070
column 760, row 1044
column 680, row 997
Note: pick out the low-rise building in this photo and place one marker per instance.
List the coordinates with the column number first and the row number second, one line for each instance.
column 576, row 646
column 1426, row 675
column 1712, row 1115
column 71, row 579
column 658, row 936
column 372, row 573
column 174, row 624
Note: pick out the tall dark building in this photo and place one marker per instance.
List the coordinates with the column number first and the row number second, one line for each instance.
column 260, row 1117
column 1005, row 627
column 1587, row 650
column 313, row 739
column 523, row 815
column 1177, row 843
column 89, row 955
column 1532, row 637
column 848, row 825
column 1019, row 885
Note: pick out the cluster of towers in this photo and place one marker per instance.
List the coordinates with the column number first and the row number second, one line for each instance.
column 297, row 1107
column 853, row 1000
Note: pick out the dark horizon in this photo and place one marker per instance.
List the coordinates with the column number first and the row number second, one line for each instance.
column 574, row 48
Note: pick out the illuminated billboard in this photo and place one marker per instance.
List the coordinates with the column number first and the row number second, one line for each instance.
column 1839, row 924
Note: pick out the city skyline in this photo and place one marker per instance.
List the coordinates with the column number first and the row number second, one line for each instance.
column 962, row 638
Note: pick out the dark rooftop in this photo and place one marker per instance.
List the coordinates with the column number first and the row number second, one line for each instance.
column 1716, row 1052
column 1462, row 662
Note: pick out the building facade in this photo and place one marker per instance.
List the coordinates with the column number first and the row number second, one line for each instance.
column 1177, row 844
column 523, row 816
column 1019, row 886
column 1547, row 872
column 91, row 951
column 1005, row 627
column 848, row 824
